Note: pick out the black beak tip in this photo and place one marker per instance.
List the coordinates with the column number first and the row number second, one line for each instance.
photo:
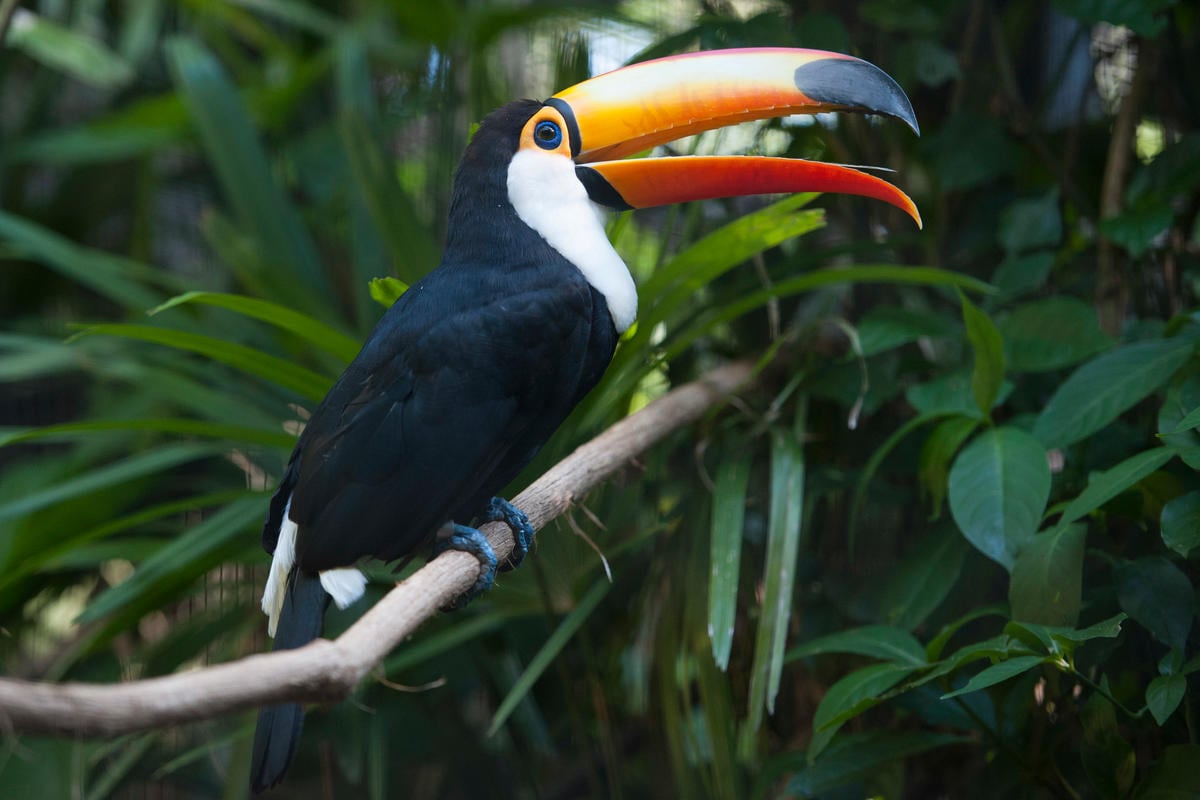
column 856, row 86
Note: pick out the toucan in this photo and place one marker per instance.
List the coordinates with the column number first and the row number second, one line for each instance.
column 474, row 367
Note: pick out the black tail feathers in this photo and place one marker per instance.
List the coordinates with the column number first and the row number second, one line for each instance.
column 278, row 730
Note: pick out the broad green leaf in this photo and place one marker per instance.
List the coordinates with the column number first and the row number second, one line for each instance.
column 128, row 469
column 311, row 330
column 186, row 558
column 1096, row 393
column 1047, row 579
column 923, row 579
column 779, row 572
column 302, row 381
column 1058, row 640
column 386, row 291
column 1163, row 696
column 874, row 641
column 886, row 327
column 1158, row 595
column 1189, row 422
column 1031, row 224
column 1019, row 275
column 249, row 184
column 999, row 485
column 83, row 58
column 1110, row 483
column 851, row 696
column 1181, row 523
column 998, row 673
column 949, row 393
column 988, row 374
column 1051, row 333
column 937, row 644
column 549, row 651
column 857, row 755
column 728, row 519
column 1107, row 758
column 939, row 449
column 1136, row 230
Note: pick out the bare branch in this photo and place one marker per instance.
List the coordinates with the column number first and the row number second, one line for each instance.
column 327, row 671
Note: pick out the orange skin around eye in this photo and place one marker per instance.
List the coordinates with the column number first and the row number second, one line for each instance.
column 546, row 114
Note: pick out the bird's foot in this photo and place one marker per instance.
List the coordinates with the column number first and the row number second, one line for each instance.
column 500, row 510
column 470, row 540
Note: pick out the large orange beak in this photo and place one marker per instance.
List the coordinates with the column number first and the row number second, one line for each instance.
column 637, row 107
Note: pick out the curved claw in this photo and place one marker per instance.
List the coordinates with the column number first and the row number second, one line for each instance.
column 500, row 510
column 470, row 540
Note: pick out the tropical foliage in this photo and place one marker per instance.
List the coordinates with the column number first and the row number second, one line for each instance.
column 946, row 544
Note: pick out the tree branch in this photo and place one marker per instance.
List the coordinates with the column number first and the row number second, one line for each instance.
column 327, row 671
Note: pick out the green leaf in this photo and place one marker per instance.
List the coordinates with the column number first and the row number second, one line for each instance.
column 857, row 755
column 386, row 291
column 421, row 649
column 1019, row 275
column 779, row 572
column 81, row 57
column 549, row 651
column 937, row 644
column 1031, row 224
column 1051, row 333
column 947, row 394
column 988, row 375
column 1190, row 421
column 1158, row 595
column 1181, row 523
column 999, row 485
column 250, row 187
column 1096, row 393
column 1137, row 229
column 128, row 469
column 933, row 464
column 728, row 519
column 851, row 696
column 185, row 558
column 1058, row 640
column 923, row 579
column 124, row 281
column 1047, row 579
column 884, row 328
column 1110, row 483
column 998, row 673
column 1163, row 696
column 269, row 368
column 187, row 427
column 310, row 330
column 874, row 641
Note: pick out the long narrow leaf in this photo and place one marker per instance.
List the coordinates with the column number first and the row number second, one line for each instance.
column 184, row 559
column 783, row 546
column 103, row 477
column 269, row 368
column 728, row 519
column 311, row 330
column 548, row 652
column 186, row 427
column 245, row 173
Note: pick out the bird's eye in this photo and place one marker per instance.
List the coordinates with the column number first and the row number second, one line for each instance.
column 547, row 135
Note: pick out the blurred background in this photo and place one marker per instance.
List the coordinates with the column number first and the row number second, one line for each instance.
column 941, row 548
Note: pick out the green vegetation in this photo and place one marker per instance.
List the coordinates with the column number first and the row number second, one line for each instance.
column 946, row 547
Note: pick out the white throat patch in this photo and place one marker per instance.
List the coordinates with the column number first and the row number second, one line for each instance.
column 550, row 199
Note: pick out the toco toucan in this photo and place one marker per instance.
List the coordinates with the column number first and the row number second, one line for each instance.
column 474, row 367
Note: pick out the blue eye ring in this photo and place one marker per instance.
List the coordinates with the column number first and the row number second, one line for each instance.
column 548, row 135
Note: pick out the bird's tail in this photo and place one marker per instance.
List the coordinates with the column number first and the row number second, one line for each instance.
column 278, row 730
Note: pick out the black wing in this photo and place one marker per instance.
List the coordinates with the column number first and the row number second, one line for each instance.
column 438, row 412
